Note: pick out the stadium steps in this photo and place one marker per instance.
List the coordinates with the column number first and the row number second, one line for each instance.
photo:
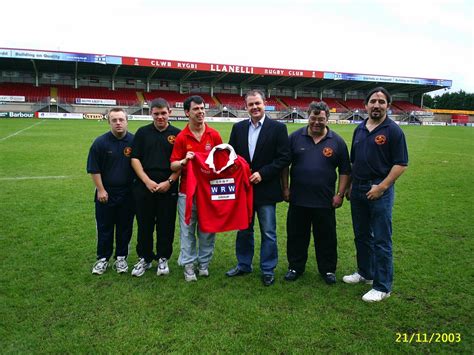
column 281, row 102
column 140, row 97
column 216, row 100
column 344, row 105
column 53, row 92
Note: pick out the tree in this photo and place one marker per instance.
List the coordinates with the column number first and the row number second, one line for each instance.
column 451, row 101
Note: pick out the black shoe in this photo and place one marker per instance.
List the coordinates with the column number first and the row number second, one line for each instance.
column 268, row 280
column 329, row 278
column 291, row 275
column 236, row 272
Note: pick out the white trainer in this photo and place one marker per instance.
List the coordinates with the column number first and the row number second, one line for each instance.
column 140, row 267
column 100, row 266
column 163, row 268
column 121, row 265
column 203, row 271
column 375, row 296
column 356, row 278
column 189, row 274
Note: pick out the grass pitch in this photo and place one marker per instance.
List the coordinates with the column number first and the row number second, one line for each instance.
column 51, row 303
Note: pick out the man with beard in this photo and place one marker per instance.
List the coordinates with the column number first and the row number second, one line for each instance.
column 316, row 154
column 379, row 156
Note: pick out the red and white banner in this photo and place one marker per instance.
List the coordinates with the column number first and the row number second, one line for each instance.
column 223, row 68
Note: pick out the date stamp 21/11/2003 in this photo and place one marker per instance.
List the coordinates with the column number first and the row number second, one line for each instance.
column 421, row 337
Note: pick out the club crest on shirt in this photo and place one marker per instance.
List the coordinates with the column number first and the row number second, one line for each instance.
column 233, row 168
column 127, row 151
column 222, row 189
column 380, row 139
column 189, row 147
column 171, row 139
column 208, row 146
column 328, row 152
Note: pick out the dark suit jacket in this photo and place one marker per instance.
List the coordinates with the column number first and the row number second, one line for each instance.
column 272, row 154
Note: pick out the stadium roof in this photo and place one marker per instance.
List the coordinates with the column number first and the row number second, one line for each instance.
column 101, row 64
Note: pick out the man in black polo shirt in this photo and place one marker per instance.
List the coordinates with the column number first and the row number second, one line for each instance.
column 316, row 154
column 109, row 165
column 379, row 156
column 155, row 191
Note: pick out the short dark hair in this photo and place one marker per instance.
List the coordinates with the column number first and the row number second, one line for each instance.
column 379, row 89
column 159, row 103
column 194, row 98
column 117, row 109
column 254, row 92
column 317, row 107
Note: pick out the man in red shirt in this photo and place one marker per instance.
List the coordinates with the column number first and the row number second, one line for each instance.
column 197, row 136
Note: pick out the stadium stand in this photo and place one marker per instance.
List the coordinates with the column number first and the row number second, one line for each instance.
column 273, row 101
column 335, row 104
column 174, row 97
column 302, row 103
column 236, row 102
column 233, row 101
column 405, row 106
column 354, row 104
column 30, row 92
column 124, row 97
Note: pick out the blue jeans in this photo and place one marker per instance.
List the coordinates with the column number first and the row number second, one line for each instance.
column 372, row 224
column 190, row 251
column 244, row 246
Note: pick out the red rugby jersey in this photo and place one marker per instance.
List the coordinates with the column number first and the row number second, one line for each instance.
column 219, row 183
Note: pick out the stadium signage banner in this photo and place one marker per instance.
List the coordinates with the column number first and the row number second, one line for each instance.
column 17, row 115
column 96, row 101
column 12, row 98
column 60, row 115
column 433, row 123
column 140, row 118
column 224, row 119
column 224, row 68
column 93, row 116
column 387, row 79
column 181, row 105
column 63, row 56
column 21, row 115
column 180, row 118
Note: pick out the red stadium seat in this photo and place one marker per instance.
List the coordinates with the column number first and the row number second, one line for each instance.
column 405, row 106
column 29, row 91
column 124, row 97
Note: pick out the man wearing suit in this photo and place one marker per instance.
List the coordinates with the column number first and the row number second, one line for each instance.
column 263, row 143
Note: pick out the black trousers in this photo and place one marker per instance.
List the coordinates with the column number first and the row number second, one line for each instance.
column 298, row 225
column 155, row 211
column 110, row 216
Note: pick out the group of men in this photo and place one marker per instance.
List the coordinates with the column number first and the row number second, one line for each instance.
column 311, row 169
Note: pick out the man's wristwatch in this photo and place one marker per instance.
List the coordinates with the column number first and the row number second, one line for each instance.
column 171, row 181
column 340, row 194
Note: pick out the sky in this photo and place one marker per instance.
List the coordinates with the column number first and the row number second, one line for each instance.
column 421, row 39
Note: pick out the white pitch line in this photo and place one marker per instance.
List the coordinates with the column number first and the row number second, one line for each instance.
column 21, row 130
column 33, row 177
